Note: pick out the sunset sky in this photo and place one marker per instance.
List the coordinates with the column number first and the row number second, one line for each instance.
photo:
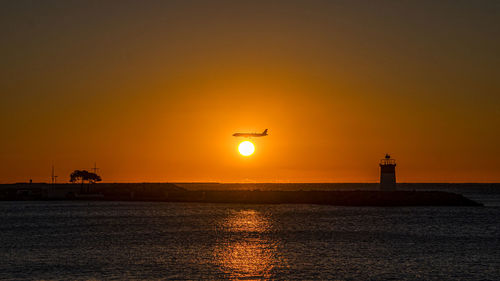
column 153, row 90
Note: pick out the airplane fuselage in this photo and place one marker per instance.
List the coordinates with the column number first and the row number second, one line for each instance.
column 248, row 135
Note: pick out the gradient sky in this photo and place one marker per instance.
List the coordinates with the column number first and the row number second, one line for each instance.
column 153, row 90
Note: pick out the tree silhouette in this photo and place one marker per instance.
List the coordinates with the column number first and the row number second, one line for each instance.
column 83, row 175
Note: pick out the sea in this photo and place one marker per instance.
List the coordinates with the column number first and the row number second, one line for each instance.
column 76, row 240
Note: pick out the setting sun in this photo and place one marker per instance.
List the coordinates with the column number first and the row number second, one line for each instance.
column 246, row 148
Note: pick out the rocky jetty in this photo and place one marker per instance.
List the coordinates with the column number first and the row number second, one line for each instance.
column 167, row 192
column 337, row 198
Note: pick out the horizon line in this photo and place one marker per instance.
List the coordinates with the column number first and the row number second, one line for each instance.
column 194, row 182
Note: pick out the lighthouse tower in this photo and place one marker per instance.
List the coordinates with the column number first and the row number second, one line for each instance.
column 387, row 173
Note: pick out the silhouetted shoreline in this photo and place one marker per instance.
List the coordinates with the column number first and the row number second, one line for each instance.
column 168, row 192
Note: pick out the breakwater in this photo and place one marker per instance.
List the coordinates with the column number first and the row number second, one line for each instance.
column 168, row 192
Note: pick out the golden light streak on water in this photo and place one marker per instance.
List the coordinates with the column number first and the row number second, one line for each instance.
column 251, row 255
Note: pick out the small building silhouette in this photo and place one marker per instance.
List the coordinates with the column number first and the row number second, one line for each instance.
column 387, row 173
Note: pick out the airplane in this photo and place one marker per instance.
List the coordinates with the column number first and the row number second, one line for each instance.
column 249, row 135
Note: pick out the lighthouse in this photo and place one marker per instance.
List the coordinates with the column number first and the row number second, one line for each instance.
column 387, row 173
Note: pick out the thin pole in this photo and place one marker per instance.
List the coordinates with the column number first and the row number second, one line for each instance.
column 95, row 169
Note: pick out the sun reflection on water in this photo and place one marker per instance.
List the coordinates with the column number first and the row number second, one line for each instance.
column 246, row 248
column 247, row 221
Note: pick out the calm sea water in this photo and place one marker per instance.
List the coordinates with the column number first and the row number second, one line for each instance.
column 140, row 240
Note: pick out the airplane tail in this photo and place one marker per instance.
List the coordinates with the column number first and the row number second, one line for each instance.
column 265, row 132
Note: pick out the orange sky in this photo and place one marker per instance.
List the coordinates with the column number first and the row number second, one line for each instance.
column 152, row 92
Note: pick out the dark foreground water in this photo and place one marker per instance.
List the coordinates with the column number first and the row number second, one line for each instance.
column 135, row 240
